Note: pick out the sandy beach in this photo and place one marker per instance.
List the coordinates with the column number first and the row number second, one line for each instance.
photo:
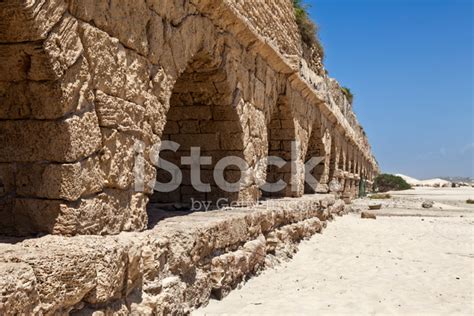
column 408, row 261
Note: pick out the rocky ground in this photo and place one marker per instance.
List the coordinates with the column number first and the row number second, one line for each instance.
column 445, row 202
column 410, row 260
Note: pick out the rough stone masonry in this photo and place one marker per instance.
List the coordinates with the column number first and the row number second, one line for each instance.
column 83, row 82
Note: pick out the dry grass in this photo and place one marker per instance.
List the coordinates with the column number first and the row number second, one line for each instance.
column 347, row 92
column 380, row 196
column 308, row 29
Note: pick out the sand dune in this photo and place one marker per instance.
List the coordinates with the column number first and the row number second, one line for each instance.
column 429, row 182
column 409, row 180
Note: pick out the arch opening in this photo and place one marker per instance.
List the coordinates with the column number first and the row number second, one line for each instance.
column 281, row 137
column 201, row 118
column 332, row 161
column 342, row 160
column 316, row 149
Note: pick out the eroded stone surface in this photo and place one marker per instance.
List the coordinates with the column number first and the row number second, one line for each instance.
column 175, row 266
column 89, row 90
column 88, row 87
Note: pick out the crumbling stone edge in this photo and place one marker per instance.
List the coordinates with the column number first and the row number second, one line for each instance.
column 174, row 267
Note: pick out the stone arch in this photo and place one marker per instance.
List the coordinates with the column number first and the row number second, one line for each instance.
column 353, row 160
column 80, row 94
column 202, row 114
column 337, row 159
column 333, row 158
column 348, row 165
column 319, row 146
column 349, row 176
column 316, row 149
column 342, row 157
column 195, row 36
column 281, row 130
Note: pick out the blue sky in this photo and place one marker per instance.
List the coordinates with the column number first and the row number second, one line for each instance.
column 410, row 67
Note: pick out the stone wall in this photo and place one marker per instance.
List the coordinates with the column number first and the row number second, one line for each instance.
column 169, row 270
column 89, row 88
column 273, row 20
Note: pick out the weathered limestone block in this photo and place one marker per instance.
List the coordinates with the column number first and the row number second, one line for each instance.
column 109, row 212
column 62, row 277
column 272, row 20
column 130, row 118
column 229, row 269
column 15, row 105
column 95, row 272
column 22, row 21
column 200, row 37
column 338, row 208
column 71, row 93
column 138, row 82
column 63, row 45
column 303, row 229
column 172, row 268
column 118, row 158
column 169, row 301
column 177, row 49
column 322, row 188
column 24, row 61
column 115, row 70
column 42, row 60
column 368, row 215
column 48, row 99
column 107, row 60
column 60, row 181
column 156, row 110
column 199, row 292
column 226, row 233
column 23, row 217
column 156, row 38
column 19, row 289
column 125, row 20
column 111, row 273
column 65, row 140
column 171, row 10
column 259, row 90
column 134, row 248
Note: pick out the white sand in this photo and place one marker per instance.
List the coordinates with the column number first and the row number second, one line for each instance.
column 428, row 182
column 409, row 180
column 392, row 265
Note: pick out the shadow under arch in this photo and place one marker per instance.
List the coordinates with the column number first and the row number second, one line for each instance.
column 202, row 115
column 319, row 147
column 281, row 131
column 333, row 159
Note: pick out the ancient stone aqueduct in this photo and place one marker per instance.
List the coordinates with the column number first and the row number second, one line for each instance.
column 83, row 82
